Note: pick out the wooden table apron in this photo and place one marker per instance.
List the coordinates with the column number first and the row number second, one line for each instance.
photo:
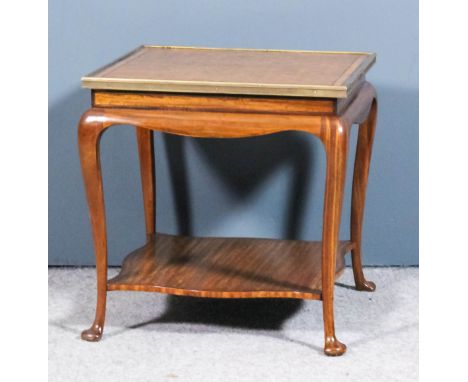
column 217, row 116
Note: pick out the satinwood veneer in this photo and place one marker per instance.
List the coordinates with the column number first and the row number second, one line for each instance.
column 231, row 93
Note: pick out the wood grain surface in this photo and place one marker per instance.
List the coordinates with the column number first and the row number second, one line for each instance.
column 213, row 102
column 226, row 267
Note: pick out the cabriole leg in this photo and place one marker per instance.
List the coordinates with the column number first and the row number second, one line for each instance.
column 335, row 139
column 361, row 172
column 89, row 133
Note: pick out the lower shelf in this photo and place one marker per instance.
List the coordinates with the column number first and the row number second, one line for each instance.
column 226, row 267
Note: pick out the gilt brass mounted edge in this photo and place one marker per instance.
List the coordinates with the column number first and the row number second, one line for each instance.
column 215, row 87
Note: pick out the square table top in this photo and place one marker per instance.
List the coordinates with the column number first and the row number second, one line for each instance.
column 234, row 71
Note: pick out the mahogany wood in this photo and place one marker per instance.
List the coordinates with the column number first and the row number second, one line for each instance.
column 202, row 124
column 217, row 267
column 89, row 133
column 226, row 267
column 221, row 124
column 361, row 172
column 206, row 102
column 335, row 139
column 146, row 154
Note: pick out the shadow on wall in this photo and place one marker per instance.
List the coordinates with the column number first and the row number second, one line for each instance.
column 70, row 240
column 243, row 164
column 68, row 245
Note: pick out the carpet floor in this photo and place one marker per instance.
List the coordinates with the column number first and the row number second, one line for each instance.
column 153, row 337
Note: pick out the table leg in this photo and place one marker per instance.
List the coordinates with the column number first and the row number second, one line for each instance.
column 361, row 172
column 335, row 135
column 146, row 154
column 89, row 133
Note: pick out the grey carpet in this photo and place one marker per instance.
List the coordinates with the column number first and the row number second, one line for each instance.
column 153, row 337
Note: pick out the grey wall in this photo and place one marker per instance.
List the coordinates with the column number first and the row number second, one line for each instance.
column 268, row 186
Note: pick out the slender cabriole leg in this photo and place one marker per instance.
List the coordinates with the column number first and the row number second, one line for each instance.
column 335, row 138
column 89, row 133
column 361, row 172
column 146, row 154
